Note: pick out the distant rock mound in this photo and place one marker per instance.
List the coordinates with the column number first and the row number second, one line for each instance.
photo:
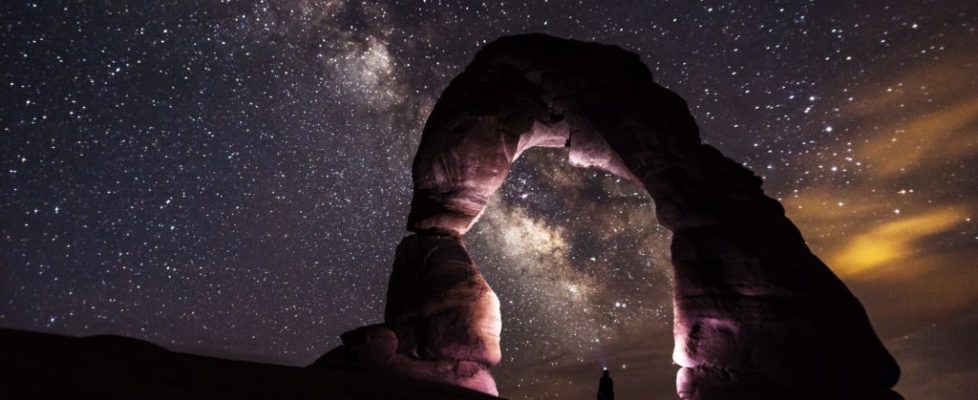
column 44, row 366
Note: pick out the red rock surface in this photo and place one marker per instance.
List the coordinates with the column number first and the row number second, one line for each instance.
column 442, row 320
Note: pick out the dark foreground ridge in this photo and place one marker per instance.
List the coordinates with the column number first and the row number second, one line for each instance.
column 45, row 366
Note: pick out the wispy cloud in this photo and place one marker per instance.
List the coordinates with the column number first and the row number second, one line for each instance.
column 925, row 141
column 893, row 241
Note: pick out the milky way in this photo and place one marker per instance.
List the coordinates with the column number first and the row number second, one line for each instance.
column 231, row 178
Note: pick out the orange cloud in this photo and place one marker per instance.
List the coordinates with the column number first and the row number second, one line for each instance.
column 924, row 141
column 916, row 120
column 892, row 242
column 909, row 130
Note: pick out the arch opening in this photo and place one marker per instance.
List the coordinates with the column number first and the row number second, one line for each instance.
column 582, row 272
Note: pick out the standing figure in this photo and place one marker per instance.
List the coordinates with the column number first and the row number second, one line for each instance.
column 606, row 387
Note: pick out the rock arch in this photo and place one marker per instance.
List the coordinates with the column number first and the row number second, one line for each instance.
column 757, row 315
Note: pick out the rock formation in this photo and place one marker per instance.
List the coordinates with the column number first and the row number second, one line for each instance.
column 444, row 314
column 442, row 321
column 757, row 315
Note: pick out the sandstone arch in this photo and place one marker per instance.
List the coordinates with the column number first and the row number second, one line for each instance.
column 757, row 315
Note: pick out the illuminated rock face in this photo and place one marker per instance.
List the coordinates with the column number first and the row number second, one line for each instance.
column 757, row 315
column 442, row 321
column 444, row 314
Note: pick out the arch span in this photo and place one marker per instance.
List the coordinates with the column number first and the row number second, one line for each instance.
column 757, row 315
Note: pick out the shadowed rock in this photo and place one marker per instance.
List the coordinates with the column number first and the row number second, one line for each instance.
column 369, row 348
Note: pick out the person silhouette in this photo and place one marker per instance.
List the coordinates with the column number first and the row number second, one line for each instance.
column 606, row 387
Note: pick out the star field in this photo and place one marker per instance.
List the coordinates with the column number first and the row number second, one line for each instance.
column 231, row 178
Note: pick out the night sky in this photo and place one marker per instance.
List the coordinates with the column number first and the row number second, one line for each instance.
column 231, row 178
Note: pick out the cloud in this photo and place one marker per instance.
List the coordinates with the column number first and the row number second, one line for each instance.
column 910, row 131
column 925, row 141
column 916, row 121
column 938, row 360
column 893, row 242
